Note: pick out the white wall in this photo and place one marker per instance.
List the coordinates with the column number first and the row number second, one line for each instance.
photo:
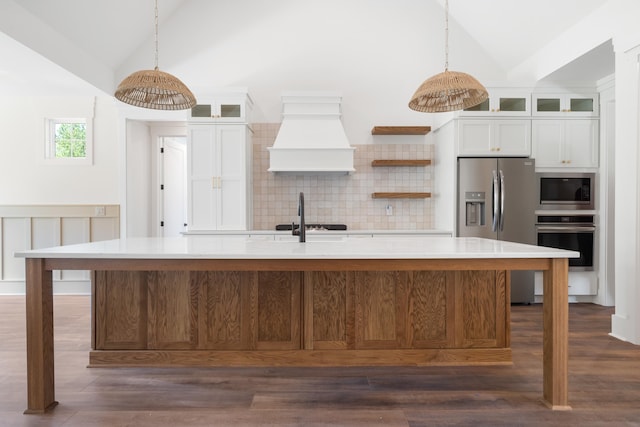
column 445, row 178
column 138, row 198
column 24, row 179
column 606, row 189
column 626, row 320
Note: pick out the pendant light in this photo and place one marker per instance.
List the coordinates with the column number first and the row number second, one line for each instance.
column 155, row 89
column 450, row 90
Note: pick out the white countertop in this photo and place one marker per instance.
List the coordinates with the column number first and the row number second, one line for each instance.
column 240, row 247
column 327, row 232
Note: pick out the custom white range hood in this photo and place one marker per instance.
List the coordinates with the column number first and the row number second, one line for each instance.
column 311, row 138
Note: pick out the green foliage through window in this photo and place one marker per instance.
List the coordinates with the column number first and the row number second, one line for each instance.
column 70, row 140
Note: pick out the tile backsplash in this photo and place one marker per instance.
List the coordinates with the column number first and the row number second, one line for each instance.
column 343, row 199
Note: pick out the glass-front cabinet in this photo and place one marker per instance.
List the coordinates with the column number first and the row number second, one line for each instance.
column 574, row 105
column 502, row 102
column 225, row 108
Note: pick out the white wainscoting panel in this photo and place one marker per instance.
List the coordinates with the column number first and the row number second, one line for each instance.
column 16, row 235
column 24, row 227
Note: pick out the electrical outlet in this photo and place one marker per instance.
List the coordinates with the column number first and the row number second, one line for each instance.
column 101, row 211
column 389, row 210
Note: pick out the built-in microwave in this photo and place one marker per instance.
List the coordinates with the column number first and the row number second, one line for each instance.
column 566, row 191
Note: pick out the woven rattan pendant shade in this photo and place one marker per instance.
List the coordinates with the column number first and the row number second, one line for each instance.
column 449, row 90
column 155, row 89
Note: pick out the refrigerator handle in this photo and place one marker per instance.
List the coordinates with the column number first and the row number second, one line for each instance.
column 496, row 210
column 501, row 201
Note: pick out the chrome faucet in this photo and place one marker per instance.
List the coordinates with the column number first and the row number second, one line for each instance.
column 302, row 231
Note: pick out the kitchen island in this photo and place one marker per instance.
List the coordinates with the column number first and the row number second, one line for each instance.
column 230, row 301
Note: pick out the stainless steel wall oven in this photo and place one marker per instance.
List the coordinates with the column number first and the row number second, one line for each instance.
column 573, row 232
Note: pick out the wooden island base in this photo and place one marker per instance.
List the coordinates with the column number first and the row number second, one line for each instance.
column 292, row 318
column 189, row 311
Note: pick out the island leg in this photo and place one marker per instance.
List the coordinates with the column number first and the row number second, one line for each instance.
column 556, row 335
column 39, row 314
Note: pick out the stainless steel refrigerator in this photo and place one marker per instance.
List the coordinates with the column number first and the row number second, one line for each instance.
column 496, row 200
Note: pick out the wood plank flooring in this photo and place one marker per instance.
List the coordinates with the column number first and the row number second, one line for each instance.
column 604, row 384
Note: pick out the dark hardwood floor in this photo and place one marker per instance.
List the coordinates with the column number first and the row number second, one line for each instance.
column 604, row 384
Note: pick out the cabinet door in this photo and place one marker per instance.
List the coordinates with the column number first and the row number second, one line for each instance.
column 120, row 301
column 231, row 162
column 475, row 138
column 329, row 310
column 548, row 146
column 513, row 105
column 278, row 310
column 567, row 105
column 226, row 309
column 172, row 319
column 494, row 137
column 502, row 103
column 512, row 137
column 380, row 315
column 231, row 109
column 201, row 171
column 565, row 143
column 481, row 301
column 581, row 143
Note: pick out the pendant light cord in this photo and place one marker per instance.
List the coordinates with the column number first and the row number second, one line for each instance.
column 446, row 35
column 156, row 34
column 155, row 89
column 449, row 90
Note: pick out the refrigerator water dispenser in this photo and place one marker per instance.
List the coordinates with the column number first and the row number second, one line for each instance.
column 475, row 208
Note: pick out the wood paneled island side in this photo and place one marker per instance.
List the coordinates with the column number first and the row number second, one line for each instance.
column 223, row 301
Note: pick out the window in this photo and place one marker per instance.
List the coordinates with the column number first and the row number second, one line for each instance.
column 68, row 141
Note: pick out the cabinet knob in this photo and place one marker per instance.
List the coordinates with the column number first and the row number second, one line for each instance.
column 498, row 149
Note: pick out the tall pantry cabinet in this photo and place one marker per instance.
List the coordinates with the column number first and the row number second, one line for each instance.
column 219, row 169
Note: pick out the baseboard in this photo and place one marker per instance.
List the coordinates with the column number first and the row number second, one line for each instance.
column 60, row 287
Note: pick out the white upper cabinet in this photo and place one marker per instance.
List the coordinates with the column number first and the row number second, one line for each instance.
column 492, row 137
column 502, row 103
column 224, row 108
column 565, row 105
column 565, row 143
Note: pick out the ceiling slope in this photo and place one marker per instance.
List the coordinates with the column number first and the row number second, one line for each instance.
column 100, row 41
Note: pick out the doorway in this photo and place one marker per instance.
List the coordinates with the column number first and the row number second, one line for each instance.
column 172, row 198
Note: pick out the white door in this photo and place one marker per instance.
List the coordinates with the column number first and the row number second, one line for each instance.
column 174, row 182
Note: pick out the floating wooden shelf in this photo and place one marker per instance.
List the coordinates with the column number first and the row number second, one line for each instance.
column 415, row 162
column 400, row 130
column 399, row 195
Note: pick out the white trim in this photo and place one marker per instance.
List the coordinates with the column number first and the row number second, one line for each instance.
column 60, row 287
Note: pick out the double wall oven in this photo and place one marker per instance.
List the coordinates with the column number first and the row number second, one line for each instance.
column 565, row 215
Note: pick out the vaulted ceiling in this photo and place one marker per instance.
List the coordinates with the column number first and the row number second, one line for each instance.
column 108, row 35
